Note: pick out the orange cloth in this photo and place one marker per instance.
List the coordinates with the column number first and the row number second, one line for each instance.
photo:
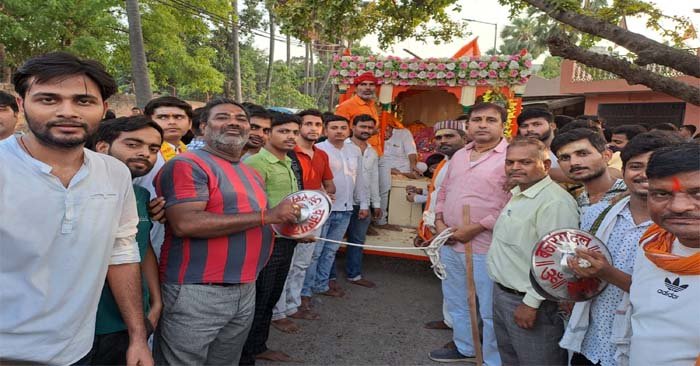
column 356, row 106
column 168, row 152
column 658, row 250
column 423, row 231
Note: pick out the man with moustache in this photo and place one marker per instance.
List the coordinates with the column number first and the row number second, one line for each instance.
column 621, row 135
column 539, row 123
column 527, row 326
column 664, row 293
column 475, row 178
column 275, row 168
column 316, row 175
column 346, row 163
column 8, row 115
column 583, row 156
column 218, row 239
column 363, row 127
column 260, row 122
column 135, row 141
column 619, row 225
column 450, row 137
column 363, row 102
column 174, row 116
column 78, row 221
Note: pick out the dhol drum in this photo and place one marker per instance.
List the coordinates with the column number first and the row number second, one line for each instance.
column 314, row 209
column 550, row 274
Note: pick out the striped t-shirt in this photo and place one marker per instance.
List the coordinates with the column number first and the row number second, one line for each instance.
column 228, row 189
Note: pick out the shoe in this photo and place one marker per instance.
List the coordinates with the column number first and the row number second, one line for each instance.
column 364, row 283
column 449, row 355
column 436, row 324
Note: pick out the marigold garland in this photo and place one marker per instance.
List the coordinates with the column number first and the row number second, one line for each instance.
column 496, row 96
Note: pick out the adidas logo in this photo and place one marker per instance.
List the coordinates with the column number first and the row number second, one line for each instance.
column 673, row 287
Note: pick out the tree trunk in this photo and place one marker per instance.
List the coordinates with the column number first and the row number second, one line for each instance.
column 312, row 70
column 139, row 67
column 289, row 51
column 235, row 46
column 327, row 78
column 271, row 60
column 561, row 46
column 648, row 51
column 5, row 70
column 306, row 68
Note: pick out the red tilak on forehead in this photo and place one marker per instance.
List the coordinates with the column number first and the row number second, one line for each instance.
column 676, row 184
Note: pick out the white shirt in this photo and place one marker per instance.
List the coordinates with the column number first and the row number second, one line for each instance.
column 346, row 164
column 397, row 148
column 56, row 245
column 438, row 184
column 665, row 313
column 623, row 245
column 146, row 181
column 370, row 174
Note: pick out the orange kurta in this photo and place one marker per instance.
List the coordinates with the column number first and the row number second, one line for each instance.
column 356, row 106
column 423, row 231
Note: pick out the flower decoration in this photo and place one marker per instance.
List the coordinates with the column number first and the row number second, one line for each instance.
column 509, row 102
column 499, row 70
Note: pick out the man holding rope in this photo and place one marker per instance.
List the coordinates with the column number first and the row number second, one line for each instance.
column 475, row 178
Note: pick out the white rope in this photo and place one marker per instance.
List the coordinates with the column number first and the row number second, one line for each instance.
column 432, row 250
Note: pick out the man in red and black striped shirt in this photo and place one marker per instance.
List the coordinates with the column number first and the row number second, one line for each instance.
column 217, row 240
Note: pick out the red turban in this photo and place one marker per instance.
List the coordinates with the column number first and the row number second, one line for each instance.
column 368, row 76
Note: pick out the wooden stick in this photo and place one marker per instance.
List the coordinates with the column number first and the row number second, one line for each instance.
column 471, row 291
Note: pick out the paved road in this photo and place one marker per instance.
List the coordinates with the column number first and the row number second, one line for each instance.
column 380, row 326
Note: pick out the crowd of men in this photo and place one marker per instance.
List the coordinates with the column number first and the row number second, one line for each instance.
column 113, row 230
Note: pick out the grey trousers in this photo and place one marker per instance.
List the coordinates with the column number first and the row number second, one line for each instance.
column 537, row 346
column 204, row 324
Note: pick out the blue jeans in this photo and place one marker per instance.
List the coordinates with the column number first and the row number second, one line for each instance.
column 357, row 232
column 319, row 271
column 454, row 289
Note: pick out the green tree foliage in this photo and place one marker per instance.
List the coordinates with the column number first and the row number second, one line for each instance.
column 83, row 27
column 551, row 67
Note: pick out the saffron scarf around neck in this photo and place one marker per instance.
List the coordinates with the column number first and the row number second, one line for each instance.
column 169, row 152
column 657, row 244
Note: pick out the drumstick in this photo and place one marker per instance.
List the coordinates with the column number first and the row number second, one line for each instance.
column 471, row 290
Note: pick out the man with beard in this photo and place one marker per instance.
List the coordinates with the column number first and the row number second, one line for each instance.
column 174, row 116
column 218, row 239
column 135, row 141
column 539, row 123
column 527, row 326
column 619, row 225
column 8, row 115
column 260, row 122
column 77, row 223
column 275, row 168
column 475, row 178
column 583, row 156
column 316, row 175
column 363, row 102
column 450, row 136
column 362, row 129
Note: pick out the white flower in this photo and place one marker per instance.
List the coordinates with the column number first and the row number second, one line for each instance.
column 483, row 73
column 343, row 72
column 422, row 75
column 473, row 65
column 494, row 65
column 352, row 65
column 369, row 65
column 450, row 66
column 513, row 65
column 440, row 75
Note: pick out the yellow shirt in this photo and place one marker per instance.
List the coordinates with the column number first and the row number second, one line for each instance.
column 526, row 218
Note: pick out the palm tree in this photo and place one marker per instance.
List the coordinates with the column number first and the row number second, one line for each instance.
column 525, row 33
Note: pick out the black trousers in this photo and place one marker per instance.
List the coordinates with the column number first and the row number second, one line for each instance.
column 268, row 289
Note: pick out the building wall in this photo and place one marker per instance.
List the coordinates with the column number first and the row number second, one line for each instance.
column 692, row 112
